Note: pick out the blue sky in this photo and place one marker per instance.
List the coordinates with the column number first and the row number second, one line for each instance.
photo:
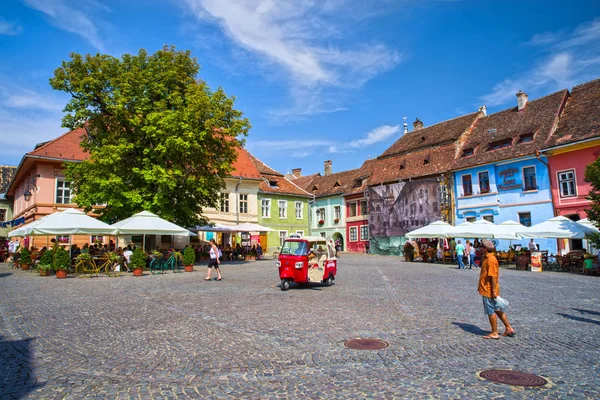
column 318, row 79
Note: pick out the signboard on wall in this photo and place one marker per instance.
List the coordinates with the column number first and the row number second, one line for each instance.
column 245, row 238
column 509, row 179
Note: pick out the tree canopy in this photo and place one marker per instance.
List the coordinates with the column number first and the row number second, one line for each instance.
column 158, row 138
column 592, row 176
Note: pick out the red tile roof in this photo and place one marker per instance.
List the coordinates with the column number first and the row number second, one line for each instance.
column 581, row 118
column 334, row 184
column 274, row 181
column 243, row 165
column 65, row 147
column 440, row 133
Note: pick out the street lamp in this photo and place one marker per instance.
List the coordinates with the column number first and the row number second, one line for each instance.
column 27, row 195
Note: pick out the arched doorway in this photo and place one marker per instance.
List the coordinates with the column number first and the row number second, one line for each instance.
column 339, row 236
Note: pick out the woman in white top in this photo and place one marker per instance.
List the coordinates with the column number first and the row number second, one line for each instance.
column 214, row 260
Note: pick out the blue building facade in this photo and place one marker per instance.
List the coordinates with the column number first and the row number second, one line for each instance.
column 517, row 189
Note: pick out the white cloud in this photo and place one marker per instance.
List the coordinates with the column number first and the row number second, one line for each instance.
column 296, row 40
column 72, row 19
column 10, row 28
column 570, row 58
column 18, row 97
column 376, row 135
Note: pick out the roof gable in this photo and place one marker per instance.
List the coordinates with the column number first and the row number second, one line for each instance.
column 66, row 147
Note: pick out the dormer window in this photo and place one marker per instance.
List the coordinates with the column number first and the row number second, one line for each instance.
column 500, row 144
column 426, row 160
column 402, row 165
column 526, row 138
column 467, row 152
column 422, row 138
column 336, row 184
column 315, row 188
column 273, row 184
column 357, row 183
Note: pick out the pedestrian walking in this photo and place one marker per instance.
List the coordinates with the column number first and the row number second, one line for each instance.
column 489, row 288
column 460, row 251
column 470, row 253
column 453, row 248
column 214, row 261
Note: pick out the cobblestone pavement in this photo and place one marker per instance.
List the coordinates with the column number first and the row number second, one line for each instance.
column 177, row 336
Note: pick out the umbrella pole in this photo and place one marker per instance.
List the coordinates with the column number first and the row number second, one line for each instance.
column 144, row 242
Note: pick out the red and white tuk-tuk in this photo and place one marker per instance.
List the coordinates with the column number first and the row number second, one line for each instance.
column 308, row 259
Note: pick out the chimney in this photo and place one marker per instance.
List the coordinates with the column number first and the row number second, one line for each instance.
column 483, row 109
column 405, row 126
column 327, row 167
column 297, row 173
column 418, row 124
column 521, row 100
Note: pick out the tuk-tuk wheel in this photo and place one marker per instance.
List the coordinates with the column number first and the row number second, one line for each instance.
column 285, row 284
column 329, row 281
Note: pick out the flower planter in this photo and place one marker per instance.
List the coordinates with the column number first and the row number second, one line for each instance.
column 189, row 268
column 61, row 274
column 250, row 258
column 521, row 261
column 24, row 267
column 45, row 272
column 138, row 271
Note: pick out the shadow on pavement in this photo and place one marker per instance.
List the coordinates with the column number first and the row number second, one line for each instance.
column 5, row 274
column 16, row 370
column 586, row 311
column 581, row 319
column 475, row 330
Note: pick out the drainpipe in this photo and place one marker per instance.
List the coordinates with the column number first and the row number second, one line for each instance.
column 311, row 202
column 237, row 201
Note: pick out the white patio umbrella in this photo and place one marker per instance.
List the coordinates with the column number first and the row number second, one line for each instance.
column 67, row 223
column 145, row 223
column 510, row 230
column 560, row 228
column 437, row 229
column 588, row 224
column 478, row 229
column 251, row 227
column 25, row 230
column 215, row 228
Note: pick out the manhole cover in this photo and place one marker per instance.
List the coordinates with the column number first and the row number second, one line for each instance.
column 514, row 378
column 366, row 344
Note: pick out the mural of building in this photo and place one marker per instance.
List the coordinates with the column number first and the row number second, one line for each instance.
column 283, row 207
column 574, row 145
column 408, row 184
column 499, row 174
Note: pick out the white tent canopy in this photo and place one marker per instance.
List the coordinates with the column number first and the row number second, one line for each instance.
column 479, row 229
column 68, row 222
column 588, row 224
column 26, row 230
column 146, row 223
column 511, row 230
column 251, row 227
column 560, row 228
column 437, row 229
column 214, row 228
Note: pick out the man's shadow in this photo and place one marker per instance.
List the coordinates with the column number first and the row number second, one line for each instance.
column 473, row 329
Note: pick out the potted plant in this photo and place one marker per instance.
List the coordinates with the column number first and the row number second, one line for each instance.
column 137, row 262
column 61, row 263
column 189, row 257
column 409, row 251
column 44, row 269
column 321, row 222
column 335, row 221
column 25, row 259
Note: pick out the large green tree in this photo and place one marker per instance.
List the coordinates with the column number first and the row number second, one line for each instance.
column 158, row 138
column 592, row 176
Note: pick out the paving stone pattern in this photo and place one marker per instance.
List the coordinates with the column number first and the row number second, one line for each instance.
column 176, row 336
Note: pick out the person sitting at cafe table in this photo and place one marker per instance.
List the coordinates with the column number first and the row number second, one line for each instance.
column 85, row 248
column 75, row 251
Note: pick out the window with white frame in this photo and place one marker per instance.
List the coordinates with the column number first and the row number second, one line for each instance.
column 63, row 191
column 471, row 219
column 282, row 237
column 353, row 233
column 323, row 234
column 525, row 218
column 364, row 232
column 489, row 218
column 321, row 214
column 566, row 183
column 243, row 204
column 337, row 210
column 265, row 206
column 224, row 202
column 299, row 207
column 352, row 209
column 2, row 214
column 529, row 180
column 282, row 208
column 301, row 233
column 484, row 182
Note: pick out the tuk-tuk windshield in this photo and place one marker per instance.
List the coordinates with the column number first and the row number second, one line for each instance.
column 295, row 248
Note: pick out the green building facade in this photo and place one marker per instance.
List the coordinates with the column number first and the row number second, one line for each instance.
column 285, row 214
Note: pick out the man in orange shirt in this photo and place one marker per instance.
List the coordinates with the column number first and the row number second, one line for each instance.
column 489, row 288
